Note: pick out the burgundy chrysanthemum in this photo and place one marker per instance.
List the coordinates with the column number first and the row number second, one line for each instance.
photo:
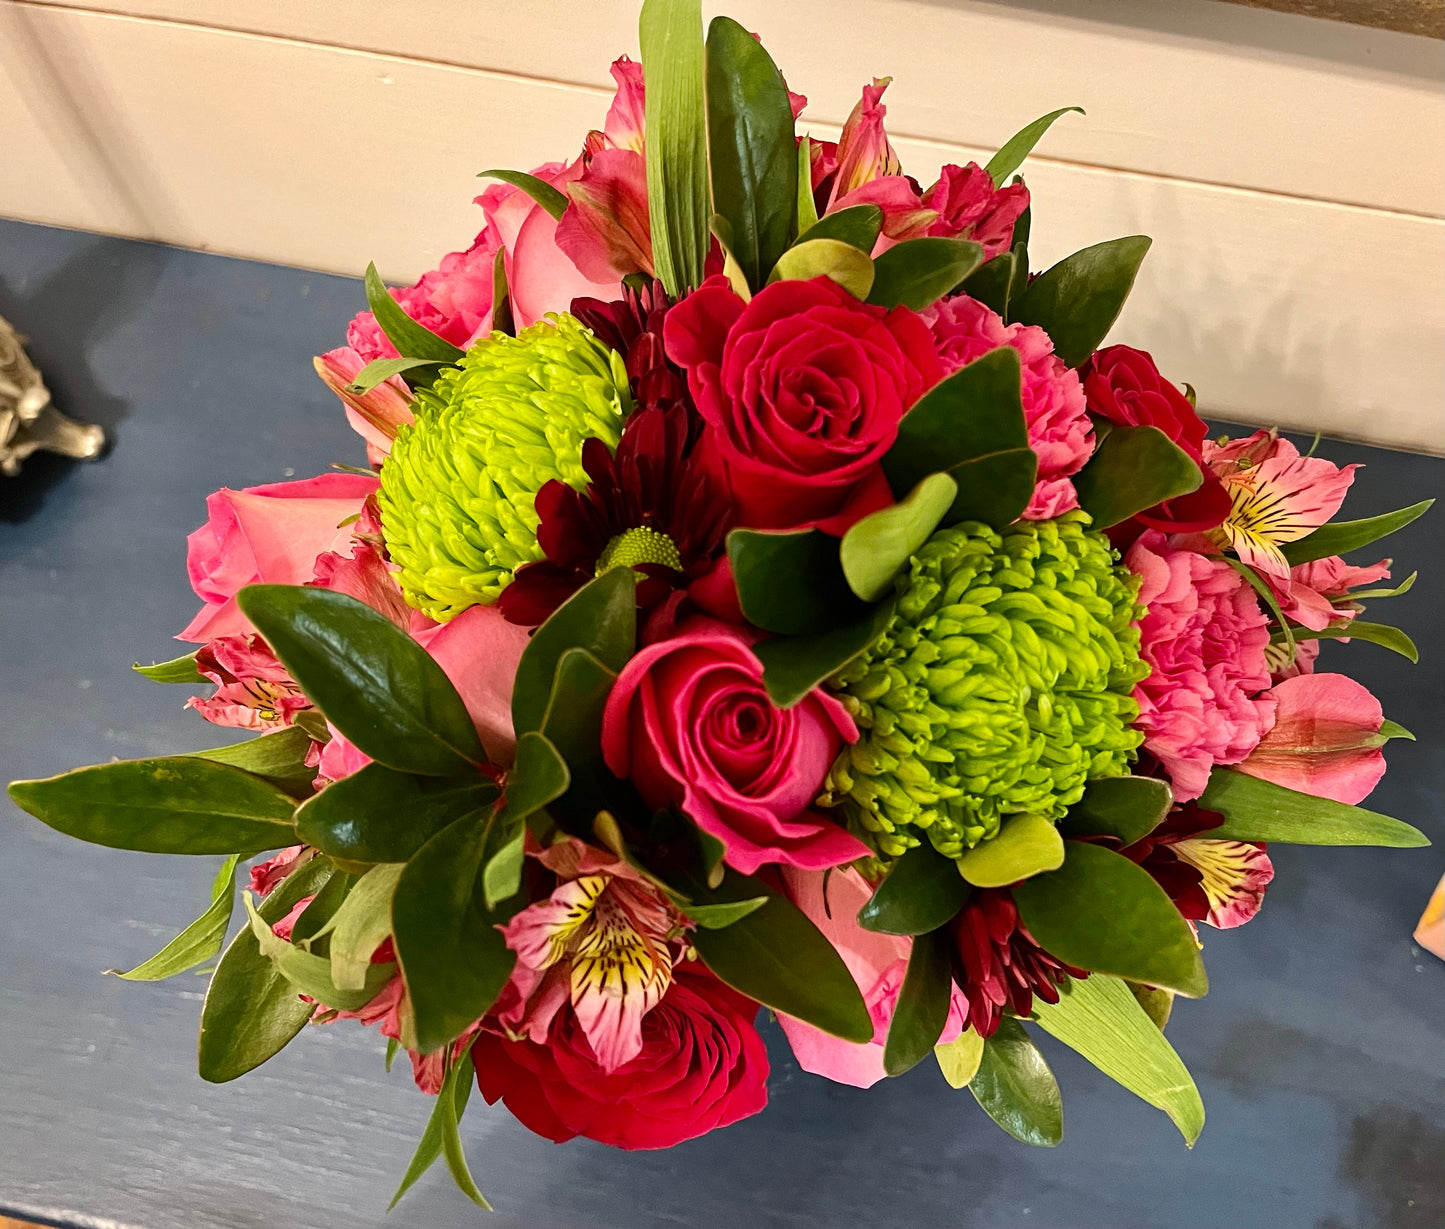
column 999, row 964
column 647, row 507
column 633, row 327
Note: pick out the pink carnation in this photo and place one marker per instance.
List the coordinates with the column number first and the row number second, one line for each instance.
column 1059, row 429
column 1204, row 636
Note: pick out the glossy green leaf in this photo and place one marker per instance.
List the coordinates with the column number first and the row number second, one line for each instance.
column 177, row 670
column 1391, row 638
column 1363, row 595
column 379, row 370
column 715, row 917
column 922, row 892
column 992, row 283
column 452, row 956
column 1259, row 810
column 794, row 665
column 251, row 1011
column 959, row 1059
column 670, row 32
column 922, row 1007
column 361, row 925
column 311, row 975
column 1016, row 1089
column 1101, row 912
column 1021, row 265
column 174, row 805
column 1125, row 807
column 1012, row 153
column 830, row 258
column 918, row 272
column 1026, row 845
column 553, row 200
column 994, row 489
column 502, row 862
column 322, row 908
column 1102, row 1020
column 539, row 776
column 279, row 757
column 876, row 548
column 1157, row 1003
column 410, row 338
column 791, row 583
column 1343, row 536
column 380, row 815
column 1077, row 301
column 375, row 684
column 1132, row 469
column 752, row 153
column 776, row 955
column 858, row 225
column 722, row 231
column 199, row 941
column 601, row 617
column 442, row 1136
column 503, row 319
column 807, row 207
column 573, row 725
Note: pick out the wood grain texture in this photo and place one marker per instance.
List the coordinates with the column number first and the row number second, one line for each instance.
column 1423, row 17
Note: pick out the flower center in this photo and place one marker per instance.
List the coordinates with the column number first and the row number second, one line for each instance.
column 640, row 545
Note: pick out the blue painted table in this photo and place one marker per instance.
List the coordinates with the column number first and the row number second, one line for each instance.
column 1318, row 1051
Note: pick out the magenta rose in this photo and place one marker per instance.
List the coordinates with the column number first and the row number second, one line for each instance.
column 1123, row 385
column 802, row 390
column 702, row 1066
column 689, row 722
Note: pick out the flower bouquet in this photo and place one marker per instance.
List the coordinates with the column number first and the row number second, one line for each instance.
column 764, row 592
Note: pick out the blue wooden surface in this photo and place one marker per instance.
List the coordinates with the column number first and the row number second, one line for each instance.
column 1318, row 1050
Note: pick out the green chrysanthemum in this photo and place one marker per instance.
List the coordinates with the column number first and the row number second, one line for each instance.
column 459, row 488
column 1002, row 685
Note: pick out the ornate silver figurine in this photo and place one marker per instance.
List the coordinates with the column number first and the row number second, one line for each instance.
column 28, row 422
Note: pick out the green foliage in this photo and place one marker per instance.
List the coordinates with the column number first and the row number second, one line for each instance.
column 922, row 1007
column 1126, row 807
column 918, row 272
column 922, row 892
column 1340, row 537
column 311, row 974
column 1258, row 810
column 199, row 941
column 379, row 370
column 794, row 665
column 875, row 549
column 791, row 583
column 441, row 1135
column 831, row 258
column 1019, row 146
column 1026, row 845
column 410, row 338
column 858, row 225
column 1016, row 1089
column 959, row 1059
column 1391, row 638
column 1077, row 301
column 551, row 199
column 278, row 757
column 177, row 670
column 1132, row 469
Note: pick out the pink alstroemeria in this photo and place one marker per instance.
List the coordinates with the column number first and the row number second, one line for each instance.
column 863, row 152
column 375, row 416
column 1278, row 496
column 603, row 941
column 624, row 127
column 606, row 229
column 254, row 691
column 1234, row 877
column 1325, row 741
column 1317, row 594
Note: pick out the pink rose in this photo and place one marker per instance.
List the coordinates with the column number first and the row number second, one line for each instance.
column 877, row 963
column 689, row 722
column 1204, row 637
column 266, row 535
column 1053, row 399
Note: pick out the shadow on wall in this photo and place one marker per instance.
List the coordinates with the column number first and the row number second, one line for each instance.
column 65, row 318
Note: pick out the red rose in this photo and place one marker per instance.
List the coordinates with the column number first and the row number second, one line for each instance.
column 691, row 725
column 1123, row 385
column 702, row 1065
column 802, row 390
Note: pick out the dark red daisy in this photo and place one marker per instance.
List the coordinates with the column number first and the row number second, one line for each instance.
column 999, row 964
column 633, row 327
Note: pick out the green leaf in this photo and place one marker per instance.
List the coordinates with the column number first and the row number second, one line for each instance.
column 807, row 207
column 877, row 548
column 1101, row 912
column 1026, row 845
column 751, row 147
column 1077, row 301
column 538, row 776
column 503, row 320
column 1361, row 595
column 1102, row 1020
column 361, row 925
column 992, row 283
column 1157, row 1003
column 670, row 32
column 1391, row 638
column 379, row 370
column 551, row 199
column 1393, row 729
column 715, row 917
column 831, row 258
column 971, row 426
column 199, row 941
column 279, row 757
column 922, row 892
column 375, row 684
column 1016, row 1089
column 1259, row 810
column 1345, row 536
column 776, row 955
column 502, row 865
column 858, row 225
column 410, row 338
column 918, row 272
column 722, row 231
column 1126, row 807
column 1019, row 146
column 251, row 1011
column 380, row 815
column 1132, row 469
column 311, row 975
column 922, row 1007
column 442, row 1136
column 794, row 665
column 173, row 805
column 791, row 583
column 573, row 724
column 452, row 956
column 601, row 617
column 959, row 1059
column 177, row 670
column 1266, row 595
